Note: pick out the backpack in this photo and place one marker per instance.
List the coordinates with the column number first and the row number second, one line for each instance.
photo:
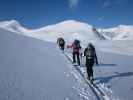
column 76, row 46
column 90, row 53
column 61, row 41
column 76, row 42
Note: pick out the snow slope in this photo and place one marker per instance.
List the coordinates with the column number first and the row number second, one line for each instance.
column 121, row 32
column 32, row 69
column 114, row 74
column 116, row 71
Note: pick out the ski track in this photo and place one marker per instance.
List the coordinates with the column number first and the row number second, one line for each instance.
column 93, row 90
column 83, row 89
column 109, row 95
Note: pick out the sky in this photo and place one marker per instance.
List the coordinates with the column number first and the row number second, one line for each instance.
column 39, row 13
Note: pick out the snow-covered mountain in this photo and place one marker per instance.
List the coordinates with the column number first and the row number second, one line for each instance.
column 13, row 26
column 121, row 32
column 69, row 29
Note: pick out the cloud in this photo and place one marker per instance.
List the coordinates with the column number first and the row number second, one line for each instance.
column 101, row 18
column 106, row 3
column 73, row 3
column 109, row 3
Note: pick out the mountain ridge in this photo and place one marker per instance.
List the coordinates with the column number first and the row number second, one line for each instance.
column 121, row 32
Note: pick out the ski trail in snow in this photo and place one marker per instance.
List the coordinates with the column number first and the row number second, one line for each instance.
column 82, row 89
column 108, row 93
column 82, row 92
column 94, row 91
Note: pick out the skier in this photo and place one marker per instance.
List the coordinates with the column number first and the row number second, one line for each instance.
column 76, row 51
column 91, row 58
column 61, row 43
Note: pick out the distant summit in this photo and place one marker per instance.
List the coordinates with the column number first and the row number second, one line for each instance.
column 121, row 32
column 68, row 25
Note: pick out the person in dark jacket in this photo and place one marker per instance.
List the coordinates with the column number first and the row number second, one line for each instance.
column 91, row 58
column 61, row 43
column 76, row 51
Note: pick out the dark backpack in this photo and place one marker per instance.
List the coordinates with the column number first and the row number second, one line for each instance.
column 76, row 45
column 90, row 53
column 61, row 41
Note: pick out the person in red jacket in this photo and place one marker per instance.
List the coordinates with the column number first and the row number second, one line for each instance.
column 76, row 51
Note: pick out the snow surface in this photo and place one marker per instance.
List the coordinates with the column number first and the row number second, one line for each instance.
column 116, row 73
column 32, row 69
column 113, row 75
column 121, row 47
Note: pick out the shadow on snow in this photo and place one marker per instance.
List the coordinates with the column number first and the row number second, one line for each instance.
column 101, row 65
column 106, row 65
column 106, row 79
